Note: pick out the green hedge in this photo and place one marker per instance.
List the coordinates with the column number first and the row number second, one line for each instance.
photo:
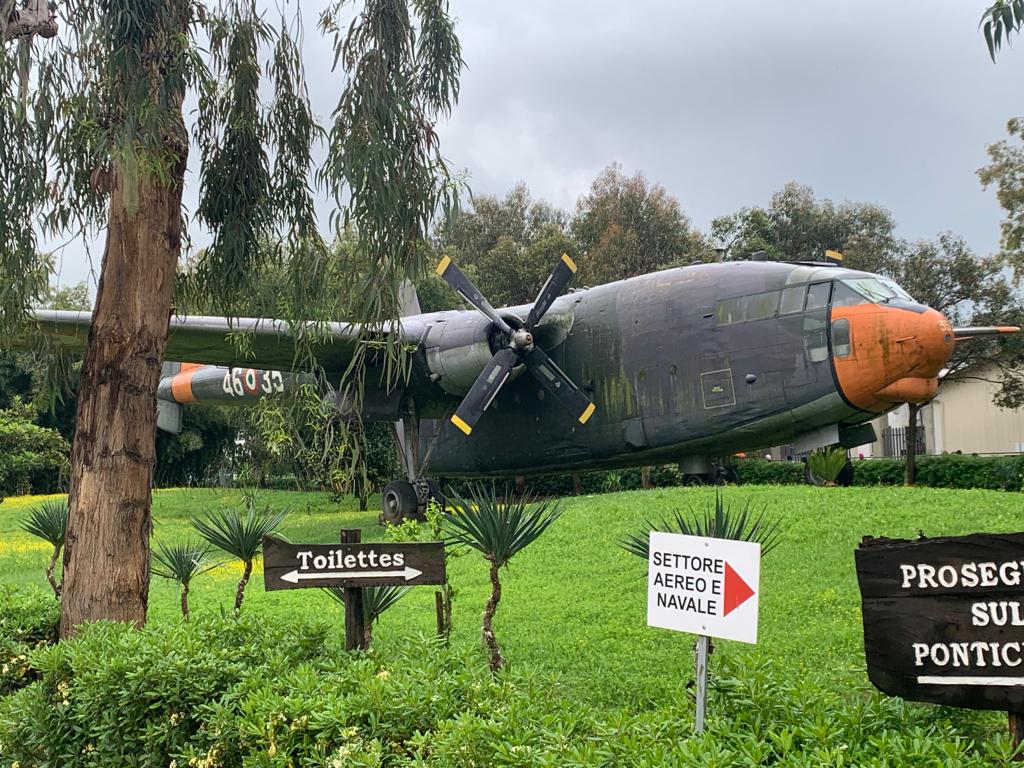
column 227, row 693
column 878, row 471
column 1005, row 473
column 1002, row 473
column 764, row 472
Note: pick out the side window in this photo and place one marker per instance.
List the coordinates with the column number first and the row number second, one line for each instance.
column 816, row 334
column 792, row 299
column 730, row 311
column 818, row 295
column 841, row 337
column 817, row 346
column 763, row 305
column 758, row 306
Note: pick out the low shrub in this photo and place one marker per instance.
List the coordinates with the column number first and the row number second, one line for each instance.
column 116, row 696
column 28, row 619
column 228, row 693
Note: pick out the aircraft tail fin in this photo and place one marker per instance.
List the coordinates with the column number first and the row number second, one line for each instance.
column 408, row 301
column 168, row 416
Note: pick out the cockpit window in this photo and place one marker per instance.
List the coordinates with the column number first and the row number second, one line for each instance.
column 818, row 296
column 893, row 287
column 877, row 289
column 844, row 296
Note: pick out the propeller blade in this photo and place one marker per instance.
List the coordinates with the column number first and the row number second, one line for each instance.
column 553, row 288
column 456, row 279
column 558, row 384
column 484, row 389
column 993, row 330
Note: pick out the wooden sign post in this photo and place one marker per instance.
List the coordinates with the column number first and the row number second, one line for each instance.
column 355, row 620
column 944, row 620
column 352, row 566
column 706, row 586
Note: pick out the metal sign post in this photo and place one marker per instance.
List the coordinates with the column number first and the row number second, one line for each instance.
column 706, row 586
column 703, row 641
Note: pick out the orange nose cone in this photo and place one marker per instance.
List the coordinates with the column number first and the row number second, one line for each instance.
column 894, row 357
column 935, row 339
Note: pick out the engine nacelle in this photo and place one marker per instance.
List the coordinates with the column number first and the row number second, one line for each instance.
column 457, row 349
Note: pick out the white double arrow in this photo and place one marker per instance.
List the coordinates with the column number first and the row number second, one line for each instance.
column 294, row 577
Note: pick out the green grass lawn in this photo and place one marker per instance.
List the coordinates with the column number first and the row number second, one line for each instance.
column 574, row 604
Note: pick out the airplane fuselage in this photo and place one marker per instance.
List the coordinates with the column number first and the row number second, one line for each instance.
column 699, row 361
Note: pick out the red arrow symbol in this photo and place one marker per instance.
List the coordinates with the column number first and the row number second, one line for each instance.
column 737, row 591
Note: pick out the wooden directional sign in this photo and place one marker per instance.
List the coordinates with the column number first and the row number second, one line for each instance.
column 944, row 619
column 296, row 566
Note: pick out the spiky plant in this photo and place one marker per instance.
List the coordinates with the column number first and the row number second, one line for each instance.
column 499, row 526
column 182, row 563
column 239, row 536
column 827, row 464
column 720, row 522
column 49, row 521
column 376, row 600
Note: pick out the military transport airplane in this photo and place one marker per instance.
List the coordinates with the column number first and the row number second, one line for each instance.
column 682, row 365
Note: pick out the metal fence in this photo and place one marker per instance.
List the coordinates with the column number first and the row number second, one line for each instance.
column 894, row 441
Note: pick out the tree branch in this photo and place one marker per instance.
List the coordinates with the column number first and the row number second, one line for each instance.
column 35, row 18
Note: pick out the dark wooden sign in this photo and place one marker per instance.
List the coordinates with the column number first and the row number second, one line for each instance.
column 944, row 619
column 296, row 566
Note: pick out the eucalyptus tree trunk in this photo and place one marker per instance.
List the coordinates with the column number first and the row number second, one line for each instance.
column 911, row 469
column 106, row 558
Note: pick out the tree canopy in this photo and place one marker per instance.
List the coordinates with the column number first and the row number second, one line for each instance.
column 627, row 226
column 797, row 226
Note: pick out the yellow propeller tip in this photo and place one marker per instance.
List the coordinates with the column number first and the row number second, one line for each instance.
column 569, row 262
column 461, row 425
column 443, row 265
column 585, row 416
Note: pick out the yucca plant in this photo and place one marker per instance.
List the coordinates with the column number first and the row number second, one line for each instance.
column 182, row 563
column 720, row 522
column 498, row 526
column 49, row 521
column 239, row 536
column 827, row 464
column 376, row 600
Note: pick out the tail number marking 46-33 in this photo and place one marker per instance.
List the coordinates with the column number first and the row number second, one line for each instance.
column 239, row 382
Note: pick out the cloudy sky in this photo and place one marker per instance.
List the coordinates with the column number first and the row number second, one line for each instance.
column 723, row 103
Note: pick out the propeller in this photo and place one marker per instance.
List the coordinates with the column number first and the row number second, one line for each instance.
column 519, row 348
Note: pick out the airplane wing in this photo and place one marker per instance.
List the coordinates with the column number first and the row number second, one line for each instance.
column 271, row 343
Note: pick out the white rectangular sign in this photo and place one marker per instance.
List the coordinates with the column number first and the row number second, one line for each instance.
column 705, row 586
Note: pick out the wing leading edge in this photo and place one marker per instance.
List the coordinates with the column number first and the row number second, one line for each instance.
column 207, row 340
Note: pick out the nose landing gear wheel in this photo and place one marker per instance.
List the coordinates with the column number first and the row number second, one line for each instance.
column 399, row 502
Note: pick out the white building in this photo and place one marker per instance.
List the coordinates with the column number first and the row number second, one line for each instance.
column 962, row 417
